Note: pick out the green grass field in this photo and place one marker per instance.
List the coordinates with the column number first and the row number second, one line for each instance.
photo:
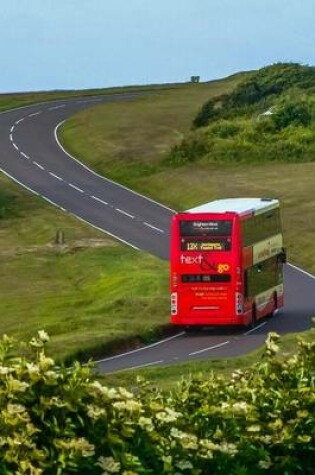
column 80, row 293
column 77, row 292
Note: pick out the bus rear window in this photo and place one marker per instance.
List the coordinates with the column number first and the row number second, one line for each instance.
column 206, row 228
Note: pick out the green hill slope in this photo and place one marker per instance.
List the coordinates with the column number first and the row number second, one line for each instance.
column 269, row 116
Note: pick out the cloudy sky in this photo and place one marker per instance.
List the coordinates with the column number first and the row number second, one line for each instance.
column 76, row 44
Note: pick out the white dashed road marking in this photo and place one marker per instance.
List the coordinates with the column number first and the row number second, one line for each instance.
column 55, row 176
column 99, row 200
column 153, row 227
column 24, row 155
column 75, row 187
column 38, row 165
column 56, row 107
column 124, row 212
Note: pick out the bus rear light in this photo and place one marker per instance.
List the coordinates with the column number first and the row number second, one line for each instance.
column 174, row 303
column 174, row 279
column 238, row 303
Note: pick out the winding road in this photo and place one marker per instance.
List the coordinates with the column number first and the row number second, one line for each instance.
column 31, row 154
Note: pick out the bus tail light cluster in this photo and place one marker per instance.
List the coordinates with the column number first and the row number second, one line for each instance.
column 238, row 303
column 174, row 303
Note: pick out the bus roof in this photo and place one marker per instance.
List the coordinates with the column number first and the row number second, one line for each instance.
column 240, row 206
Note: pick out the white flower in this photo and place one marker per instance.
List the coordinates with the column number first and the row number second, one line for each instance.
column 14, row 385
column 265, row 464
column 254, row 428
column 109, row 465
column 43, row 336
column 95, row 412
column 188, row 441
column 146, row 423
column 45, row 362
column 125, row 394
column 129, row 405
column 241, row 406
column 5, row 370
column 167, row 415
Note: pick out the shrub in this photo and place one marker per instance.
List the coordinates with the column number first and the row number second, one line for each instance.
column 57, row 420
column 292, row 113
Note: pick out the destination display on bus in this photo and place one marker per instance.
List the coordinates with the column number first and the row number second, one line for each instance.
column 206, row 228
column 207, row 244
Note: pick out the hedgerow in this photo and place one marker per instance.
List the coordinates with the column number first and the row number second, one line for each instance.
column 61, row 420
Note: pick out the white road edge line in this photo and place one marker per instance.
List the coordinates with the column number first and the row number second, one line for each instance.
column 301, row 270
column 140, row 349
column 100, row 176
column 75, row 187
column 209, row 348
column 255, row 328
column 152, row 363
column 124, row 212
column 153, row 227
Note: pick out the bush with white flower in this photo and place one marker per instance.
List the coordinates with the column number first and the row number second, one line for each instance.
column 58, row 420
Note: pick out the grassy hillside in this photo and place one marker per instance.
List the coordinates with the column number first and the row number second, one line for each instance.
column 268, row 117
column 128, row 140
column 131, row 143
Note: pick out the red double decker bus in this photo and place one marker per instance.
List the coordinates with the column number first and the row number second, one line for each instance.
column 227, row 262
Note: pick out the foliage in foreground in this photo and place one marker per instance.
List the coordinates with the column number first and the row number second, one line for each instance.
column 57, row 420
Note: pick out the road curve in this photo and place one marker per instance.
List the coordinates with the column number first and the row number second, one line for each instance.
column 30, row 153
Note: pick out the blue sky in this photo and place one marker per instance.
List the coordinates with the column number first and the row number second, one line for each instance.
column 78, row 44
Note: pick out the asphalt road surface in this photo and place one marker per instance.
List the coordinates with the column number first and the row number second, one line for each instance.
column 31, row 154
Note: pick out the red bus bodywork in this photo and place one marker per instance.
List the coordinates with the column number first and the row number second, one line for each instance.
column 207, row 286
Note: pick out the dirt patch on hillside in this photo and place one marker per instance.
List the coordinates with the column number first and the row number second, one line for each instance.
column 74, row 246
